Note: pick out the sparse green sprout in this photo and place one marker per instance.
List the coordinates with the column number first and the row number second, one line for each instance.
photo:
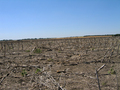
column 37, row 50
column 112, row 66
column 27, row 50
column 92, row 49
column 111, row 71
column 50, row 59
column 108, row 72
column 104, row 83
column 59, row 51
column 38, row 70
column 10, row 47
column 24, row 73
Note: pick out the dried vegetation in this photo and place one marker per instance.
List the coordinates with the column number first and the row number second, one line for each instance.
column 60, row 64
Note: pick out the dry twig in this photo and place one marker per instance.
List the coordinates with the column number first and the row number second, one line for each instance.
column 4, row 78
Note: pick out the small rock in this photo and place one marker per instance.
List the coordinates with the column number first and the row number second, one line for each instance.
column 23, row 83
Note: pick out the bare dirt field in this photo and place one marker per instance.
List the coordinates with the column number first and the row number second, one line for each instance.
column 60, row 64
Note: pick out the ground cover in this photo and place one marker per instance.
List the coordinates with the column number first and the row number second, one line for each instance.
column 60, row 64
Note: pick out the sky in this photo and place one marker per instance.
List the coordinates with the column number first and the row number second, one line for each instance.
column 21, row 19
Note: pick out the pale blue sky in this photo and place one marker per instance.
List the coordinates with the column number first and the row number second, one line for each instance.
column 21, row 19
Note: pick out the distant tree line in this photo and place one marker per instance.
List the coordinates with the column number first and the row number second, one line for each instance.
column 66, row 37
column 116, row 35
column 104, row 35
column 24, row 39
